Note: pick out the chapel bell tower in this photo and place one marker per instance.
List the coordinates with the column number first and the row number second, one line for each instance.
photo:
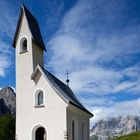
column 28, row 43
column 29, row 48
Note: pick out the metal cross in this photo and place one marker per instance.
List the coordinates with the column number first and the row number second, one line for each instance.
column 67, row 73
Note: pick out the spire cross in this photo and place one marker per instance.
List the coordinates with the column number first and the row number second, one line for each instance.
column 67, row 73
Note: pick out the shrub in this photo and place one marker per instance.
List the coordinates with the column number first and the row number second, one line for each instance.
column 7, row 127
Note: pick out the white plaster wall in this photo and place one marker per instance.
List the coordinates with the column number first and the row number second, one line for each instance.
column 52, row 116
column 81, row 117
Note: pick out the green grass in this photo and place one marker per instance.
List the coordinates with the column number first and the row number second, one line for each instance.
column 132, row 136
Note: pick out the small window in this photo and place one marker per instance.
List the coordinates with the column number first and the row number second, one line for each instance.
column 39, row 98
column 23, row 45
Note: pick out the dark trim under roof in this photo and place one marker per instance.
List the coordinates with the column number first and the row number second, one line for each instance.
column 34, row 28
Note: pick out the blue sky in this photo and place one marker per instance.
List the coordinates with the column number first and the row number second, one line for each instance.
column 98, row 41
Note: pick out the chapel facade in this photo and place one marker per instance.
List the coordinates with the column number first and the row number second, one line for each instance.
column 46, row 108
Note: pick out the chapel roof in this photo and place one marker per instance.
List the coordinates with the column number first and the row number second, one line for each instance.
column 63, row 90
column 33, row 26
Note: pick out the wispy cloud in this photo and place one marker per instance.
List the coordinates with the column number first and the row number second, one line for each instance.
column 100, row 49
column 95, row 101
column 3, row 65
column 5, row 61
column 7, row 19
column 96, row 65
column 7, row 27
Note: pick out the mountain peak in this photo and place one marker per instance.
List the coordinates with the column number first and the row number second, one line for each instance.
column 8, row 89
column 118, row 126
column 8, row 97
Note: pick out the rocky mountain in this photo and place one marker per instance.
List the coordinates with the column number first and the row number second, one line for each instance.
column 112, row 127
column 7, row 101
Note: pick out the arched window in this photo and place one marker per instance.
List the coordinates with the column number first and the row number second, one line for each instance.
column 83, row 132
column 40, row 98
column 74, row 130
column 39, row 132
column 23, row 45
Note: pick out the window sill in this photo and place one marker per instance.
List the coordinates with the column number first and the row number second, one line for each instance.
column 39, row 106
column 23, row 52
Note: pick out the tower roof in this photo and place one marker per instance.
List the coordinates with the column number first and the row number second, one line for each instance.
column 33, row 26
column 61, row 89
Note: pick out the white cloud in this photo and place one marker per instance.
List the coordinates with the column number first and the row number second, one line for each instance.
column 7, row 27
column 92, row 58
column 7, row 19
column 96, row 101
column 124, row 86
column 5, row 60
column 4, row 64
column 100, row 54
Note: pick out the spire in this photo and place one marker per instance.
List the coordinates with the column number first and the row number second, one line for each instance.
column 67, row 81
column 33, row 26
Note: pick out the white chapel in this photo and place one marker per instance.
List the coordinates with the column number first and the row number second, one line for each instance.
column 46, row 108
